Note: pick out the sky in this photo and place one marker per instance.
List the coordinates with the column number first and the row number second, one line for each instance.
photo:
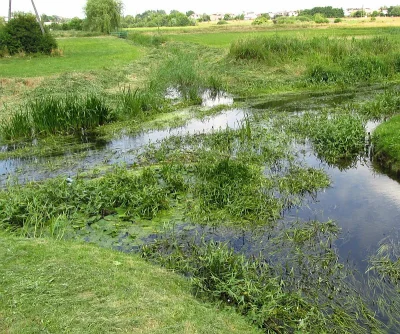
column 72, row 8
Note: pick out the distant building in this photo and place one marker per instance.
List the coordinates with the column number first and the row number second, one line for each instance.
column 250, row 16
column 286, row 13
column 216, row 17
column 196, row 16
column 350, row 11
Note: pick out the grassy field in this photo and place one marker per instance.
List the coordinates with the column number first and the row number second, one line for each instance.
column 78, row 55
column 54, row 286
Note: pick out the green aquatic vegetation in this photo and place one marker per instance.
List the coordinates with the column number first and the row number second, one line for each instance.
column 234, row 187
column 33, row 208
column 294, row 284
column 334, row 136
column 382, row 105
column 50, row 115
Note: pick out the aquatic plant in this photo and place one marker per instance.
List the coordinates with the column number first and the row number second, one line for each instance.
column 139, row 102
column 52, row 115
column 283, row 289
column 382, row 105
column 334, row 136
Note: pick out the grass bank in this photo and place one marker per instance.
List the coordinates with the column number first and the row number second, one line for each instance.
column 386, row 140
column 55, row 287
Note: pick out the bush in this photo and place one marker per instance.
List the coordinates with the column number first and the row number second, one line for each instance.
column 23, row 34
column 222, row 22
column 260, row 20
column 337, row 20
column 319, row 18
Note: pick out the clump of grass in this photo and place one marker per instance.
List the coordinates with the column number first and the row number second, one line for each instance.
column 32, row 209
column 235, row 188
column 383, row 105
column 147, row 39
column 51, row 115
column 334, row 136
column 179, row 72
column 386, row 144
column 139, row 102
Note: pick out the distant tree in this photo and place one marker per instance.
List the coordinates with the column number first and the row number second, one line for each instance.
column 75, row 24
column 206, row 18
column 239, row 17
column 375, row 13
column 190, row 12
column 328, row 11
column 358, row 13
column 227, row 17
column 23, row 34
column 103, row 15
column 394, row 11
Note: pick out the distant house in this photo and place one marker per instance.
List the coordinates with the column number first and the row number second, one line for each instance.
column 350, row 11
column 250, row 16
column 195, row 16
column 216, row 17
column 286, row 13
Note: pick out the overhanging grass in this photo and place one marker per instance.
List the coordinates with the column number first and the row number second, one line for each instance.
column 57, row 287
column 386, row 140
column 79, row 55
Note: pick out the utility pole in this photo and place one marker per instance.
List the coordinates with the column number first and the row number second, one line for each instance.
column 37, row 17
column 9, row 11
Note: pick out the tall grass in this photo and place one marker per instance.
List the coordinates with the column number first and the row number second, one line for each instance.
column 383, row 105
column 326, row 59
column 52, row 115
column 147, row 39
column 139, row 102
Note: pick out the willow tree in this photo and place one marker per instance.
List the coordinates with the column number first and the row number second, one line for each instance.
column 103, row 15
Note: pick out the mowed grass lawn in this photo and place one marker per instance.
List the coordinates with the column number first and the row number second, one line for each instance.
column 63, row 287
column 80, row 54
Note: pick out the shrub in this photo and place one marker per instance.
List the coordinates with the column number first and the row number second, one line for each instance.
column 337, row 20
column 222, row 22
column 319, row 18
column 260, row 20
column 23, row 34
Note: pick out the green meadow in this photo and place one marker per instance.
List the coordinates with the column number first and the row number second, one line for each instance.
column 76, row 55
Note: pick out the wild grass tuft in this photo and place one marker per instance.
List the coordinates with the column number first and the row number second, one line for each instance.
column 139, row 102
column 52, row 115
